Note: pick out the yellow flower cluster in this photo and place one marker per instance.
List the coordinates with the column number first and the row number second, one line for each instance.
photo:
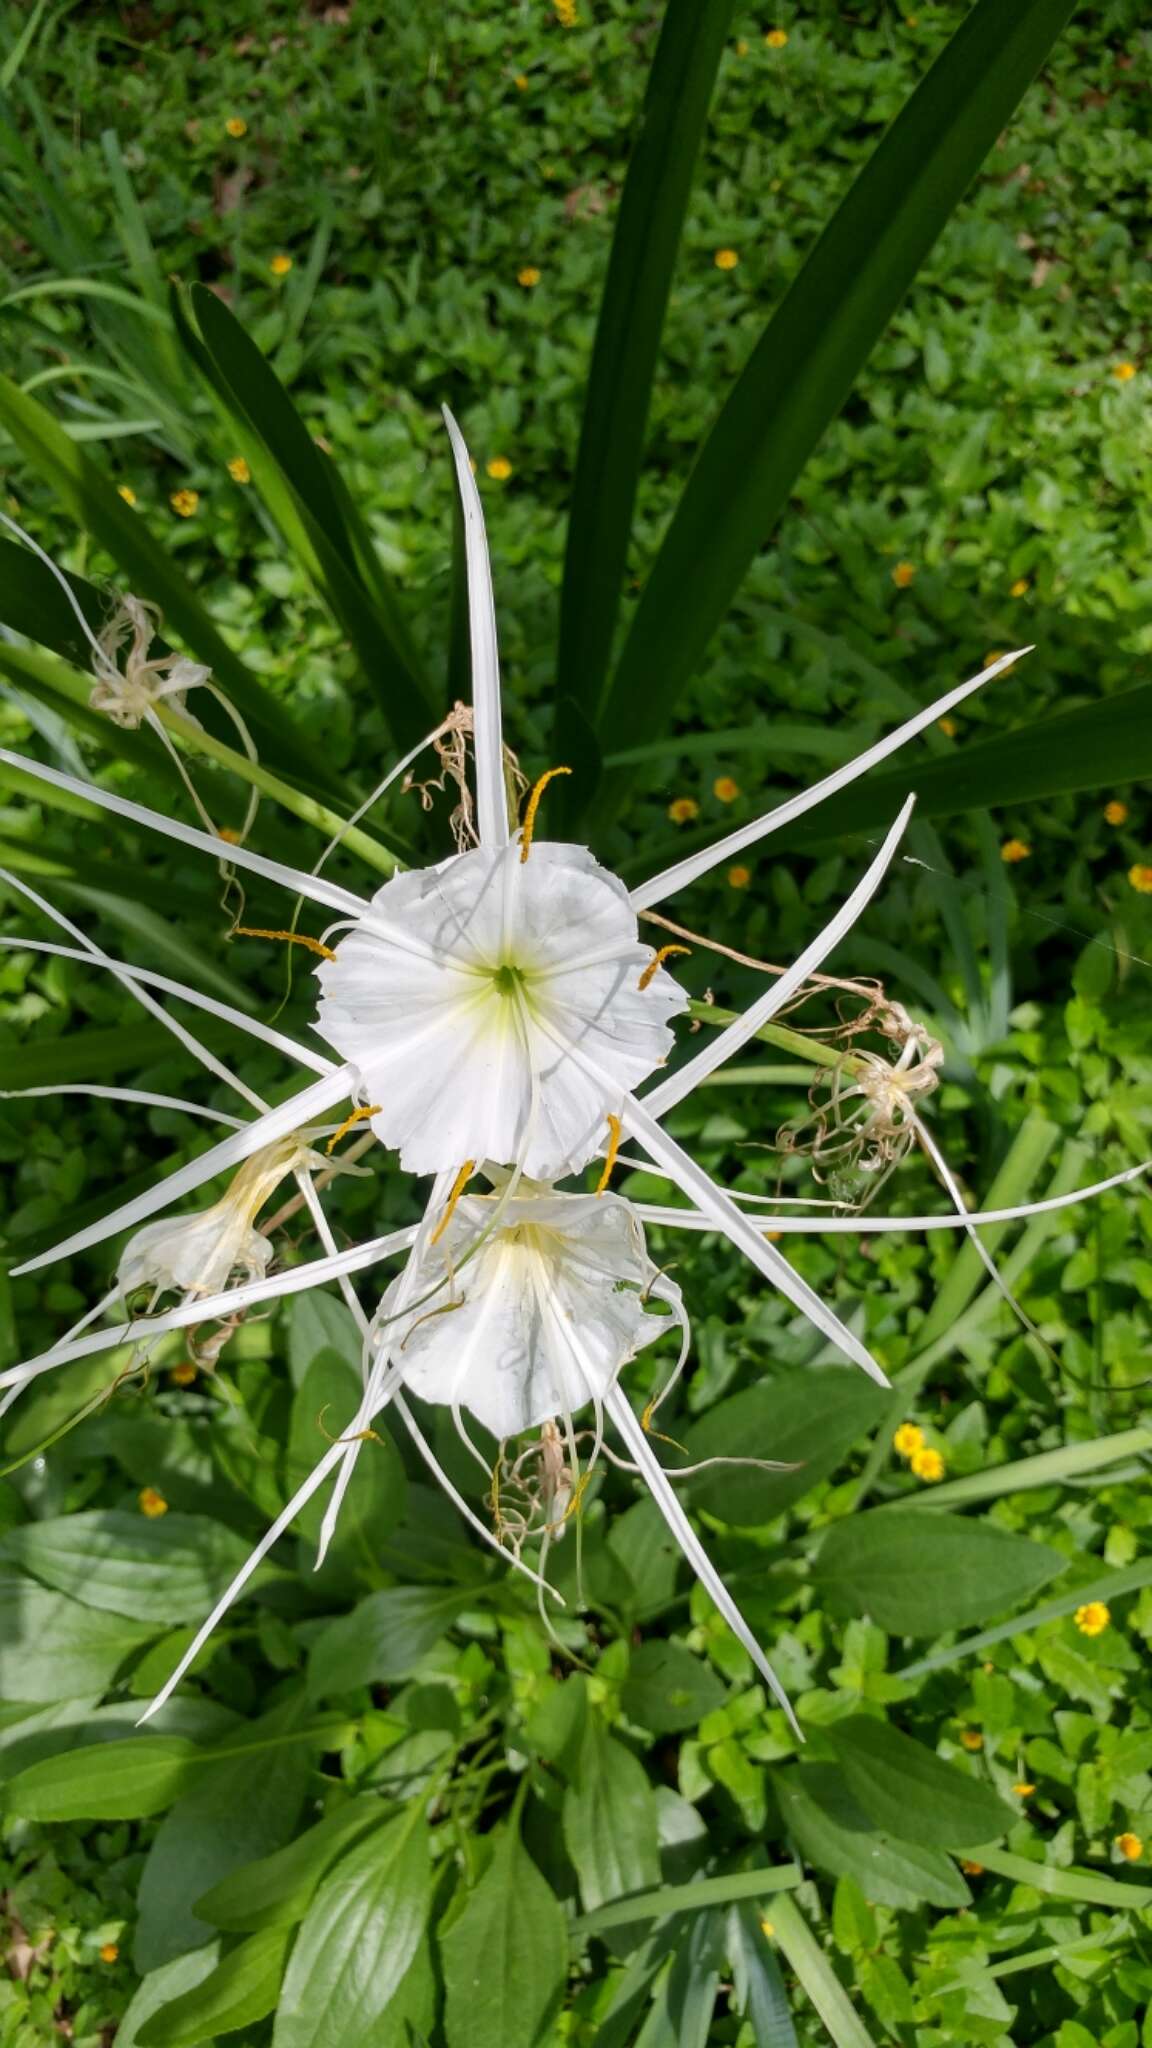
column 926, row 1463
column 1014, row 850
column 184, row 503
column 152, row 1504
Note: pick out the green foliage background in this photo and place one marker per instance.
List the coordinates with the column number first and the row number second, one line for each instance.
column 414, row 164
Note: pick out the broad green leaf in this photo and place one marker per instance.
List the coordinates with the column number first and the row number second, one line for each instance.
column 668, row 1688
column 505, row 1957
column 918, row 1575
column 98, row 507
column 362, row 1931
column 277, row 1891
column 237, row 1809
column 382, row 1639
column 610, row 1820
column 32, row 603
column 832, row 1831
column 1112, row 1586
column 817, row 1976
column 796, row 1419
column 298, row 482
column 51, row 1648
column 910, row 1792
column 240, row 1990
column 104, row 1780
column 648, row 229
column 1094, row 747
column 161, row 1986
column 168, row 1570
column 812, row 350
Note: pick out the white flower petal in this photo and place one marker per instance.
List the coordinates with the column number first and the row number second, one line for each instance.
column 697, row 864
column 310, row 886
column 716, row 1050
column 144, row 1096
column 456, row 996
column 491, row 800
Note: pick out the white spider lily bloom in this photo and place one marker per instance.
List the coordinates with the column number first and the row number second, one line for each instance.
column 198, row 1255
column 539, row 1320
column 455, row 993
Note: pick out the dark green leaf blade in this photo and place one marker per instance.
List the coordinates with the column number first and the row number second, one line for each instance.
column 104, row 1780
column 506, row 1955
column 780, row 1420
column 239, row 1991
column 610, row 1824
column 165, row 1571
column 832, row 1830
column 644, row 246
column 278, row 1890
column 361, row 1933
column 805, row 363
column 912, row 1793
column 920, row 1574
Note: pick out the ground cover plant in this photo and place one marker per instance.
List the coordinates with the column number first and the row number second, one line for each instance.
column 404, row 1797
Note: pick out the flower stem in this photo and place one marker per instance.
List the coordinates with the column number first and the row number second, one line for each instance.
column 813, row 1051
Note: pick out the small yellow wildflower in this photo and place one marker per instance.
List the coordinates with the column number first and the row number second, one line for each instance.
column 994, row 655
column 776, row 38
column 767, row 1927
column 127, row 493
column 971, row 1869
column 1141, row 879
column 972, row 1738
column 683, row 809
column 499, row 469
column 1130, row 1846
column 229, row 833
column 907, row 1439
column 236, row 127
column 948, row 727
column 1092, row 1619
column 521, row 81
column 1014, row 850
column 1024, row 1791
column 726, row 259
column 280, row 265
column 927, row 1464
column 903, row 574
column 726, row 789
column 528, row 276
column 565, row 12
column 741, row 48
column 110, row 1953
column 1020, row 588
column 152, row 1504
column 1123, row 372
column 183, row 1375
column 239, row 471
column 184, row 503
column 1115, row 813
column 739, row 877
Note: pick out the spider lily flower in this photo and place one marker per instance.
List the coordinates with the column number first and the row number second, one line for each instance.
column 199, row 1254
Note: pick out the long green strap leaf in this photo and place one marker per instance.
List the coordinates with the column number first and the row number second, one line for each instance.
column 1093, row 747
column 648, row 230
column 689, row 1898
column 807, row 360
column 817, row 1976
column 98, row 507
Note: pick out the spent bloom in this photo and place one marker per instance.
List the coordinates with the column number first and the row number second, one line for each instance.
column 494, row 1017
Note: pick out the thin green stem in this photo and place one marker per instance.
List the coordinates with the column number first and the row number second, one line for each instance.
column 814, row 1051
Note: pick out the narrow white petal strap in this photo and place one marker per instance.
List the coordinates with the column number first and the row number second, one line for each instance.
column 698, row 1186
column 252, row 1025
column 301, row 1108
column 696, row 864
column 312, row 886
column 724, row 1043
column 210, row 1307
column 491, row 801
column 865, row 1225
column 143, row 1096
column 657, row 1482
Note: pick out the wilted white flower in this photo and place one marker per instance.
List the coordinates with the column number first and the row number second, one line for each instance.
column 199, row 1254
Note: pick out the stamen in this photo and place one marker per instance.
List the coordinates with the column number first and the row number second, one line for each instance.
column 614, row 1136
column 251, row 931
column 655, row 965
column 458, row 1186
column 229, row 834
column 359, row 1436
column 533, row 805
column 358, row 1116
